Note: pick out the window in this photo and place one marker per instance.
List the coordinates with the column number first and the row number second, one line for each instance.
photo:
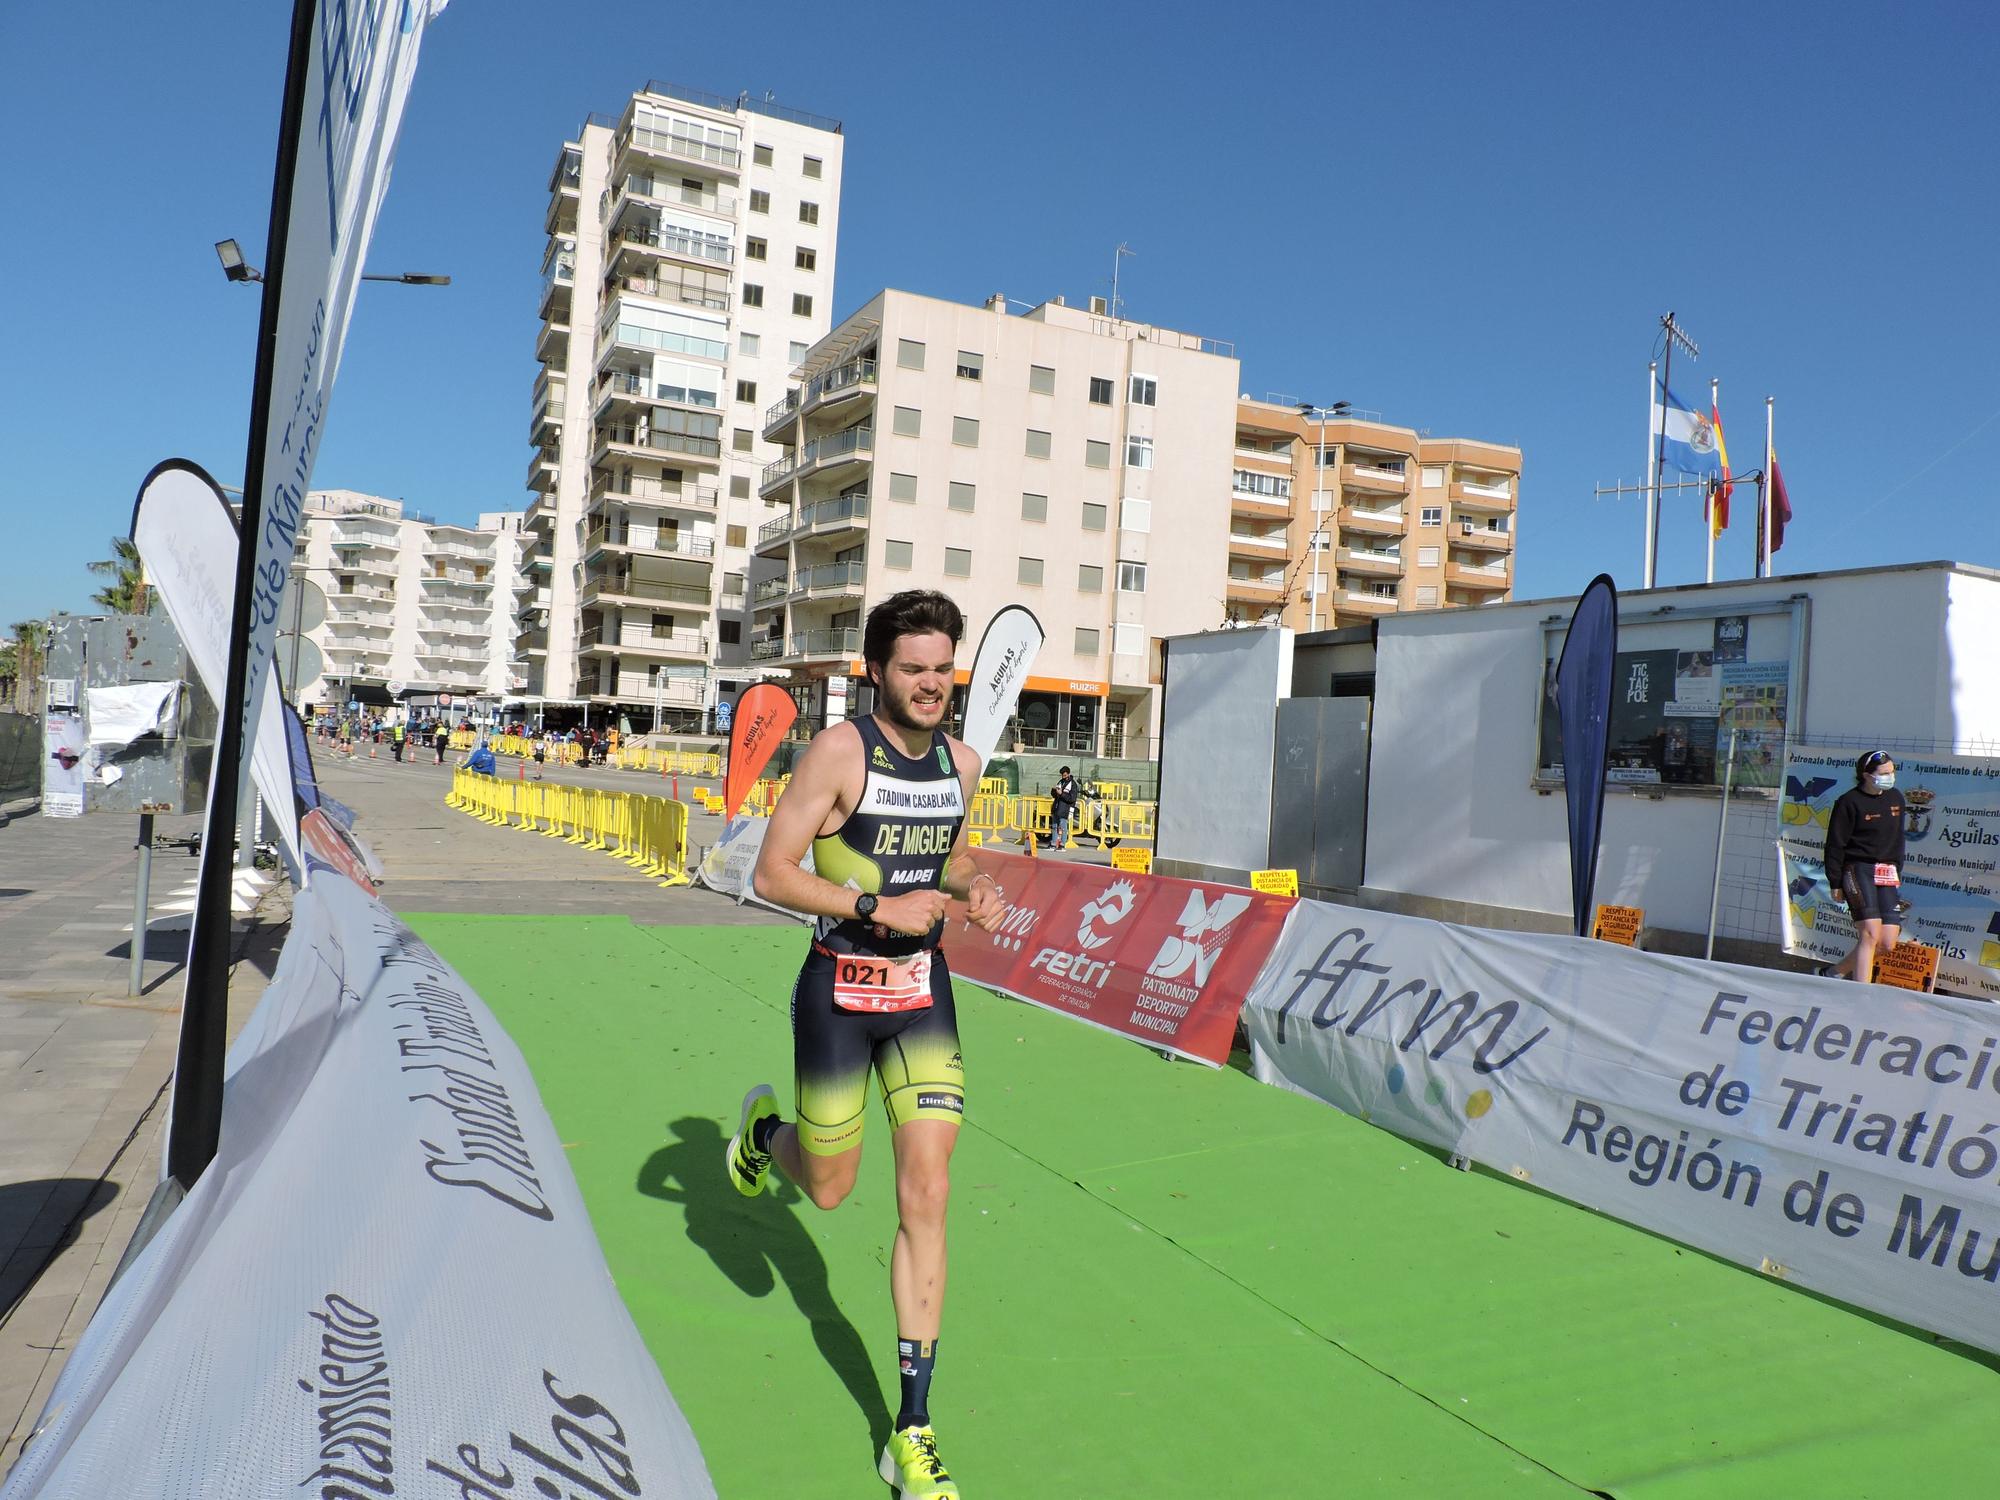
column 1096, row 455
column 965, row 431
column 907, row 422
column 733, row 536
column 1427, row 557
column 903, row 487
column 746, row 390
column 1086, row 642
column 909, row 354
column 760, row 201
column 1268, row 486
column 1038, row 443
column 1132, row 578
column 808, row 213
column 1433, row 515
column 896, row 554
column 1089, row 579
column 756, row 249
column 761, row 155
column 1427, row 593
column 753, row 294
column 805, row 260
column 749, row 343
column 1128, row 640
column 1042, row 380
column 1034, row 507
column 1100, row 392
column 1380, row 590
column 731, row 632
column 960, row 496
column 740, row 439
column 970, row 366
column 1433, row 476
column 1029, row 570
column 739, row 486
column 1138, row 453
column 1094, row 517
column 1144, row 390
column 802, row 305
column 798, row 350
column 663, row 626
column 957, row 562
column 1137, row 515
column 813, row 166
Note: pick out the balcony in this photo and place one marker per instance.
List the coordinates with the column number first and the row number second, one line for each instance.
column 1282, row 461
column 639, row 689
column 1491, row 539
column 1482, row 496
column 830, row 581
column 642, row 643
column 641, row 489
column 853, row 378
column 821, row 455
column 464, row 578
column 773, row 534
column 451, row 653
column 542, row 469
column 661, row 143
column 638, row 188
column 627, row 388
column 349, row 534
column 666, row 541
column 552, row 344
column 1387, row 522
column 643, row 591
column 1252, row 544
column 812, row 645
column 436, row 546
column 763, row 649
column 626, row 441
column 1382, row 564
column 1373, row 480
column 667, row 289
column 1360, row 602
column 771, row 592
column 359, row 619
column 829, row 520
column 346, row 590
column 1482, row 576
column 1255, row 590
column 668, row 241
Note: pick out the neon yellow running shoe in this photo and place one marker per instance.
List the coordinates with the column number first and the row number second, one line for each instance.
column 747, row 1165
column 911, row 1465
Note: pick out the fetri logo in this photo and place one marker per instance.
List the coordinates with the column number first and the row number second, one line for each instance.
column 1199, row 943
column 1110, row 908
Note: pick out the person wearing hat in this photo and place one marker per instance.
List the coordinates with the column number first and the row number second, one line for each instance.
column 1864, row 861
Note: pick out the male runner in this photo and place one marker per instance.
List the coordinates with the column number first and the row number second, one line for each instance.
column 881, row 801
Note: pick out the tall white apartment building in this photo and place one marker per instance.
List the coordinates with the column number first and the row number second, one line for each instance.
column 416, row 609
column 689, row 268
column 1061, row 458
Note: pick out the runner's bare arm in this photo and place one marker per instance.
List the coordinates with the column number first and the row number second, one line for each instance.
column 986, row 902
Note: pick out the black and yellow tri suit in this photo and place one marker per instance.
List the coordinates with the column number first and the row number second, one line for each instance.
column 898, row 838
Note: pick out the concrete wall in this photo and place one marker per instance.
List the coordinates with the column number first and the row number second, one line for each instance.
column 1219, row 726
column 1901, row 654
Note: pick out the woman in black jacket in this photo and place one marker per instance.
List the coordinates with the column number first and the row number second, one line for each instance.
column 1864, row 860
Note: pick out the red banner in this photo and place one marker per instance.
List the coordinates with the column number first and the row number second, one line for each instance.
column 1166, row 962
column 327, row 845
column 763, row 714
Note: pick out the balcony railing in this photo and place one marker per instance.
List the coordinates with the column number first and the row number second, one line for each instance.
column 657, row 190
column 826, row 643
column 660, row 441
column 770, row 591
column 647, row 589
column 821, row 450
column 641, row 489
column 670, row 291
column 680, row 642
column 673, row 242
column 661, row 143
column 650, row 539
column 766, row 650
column 778, row 411
column 773, row 531
column 628, row 383
column 460, row 578
column 846, row 578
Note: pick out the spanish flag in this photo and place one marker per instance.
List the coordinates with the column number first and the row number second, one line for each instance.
column 1719, row 487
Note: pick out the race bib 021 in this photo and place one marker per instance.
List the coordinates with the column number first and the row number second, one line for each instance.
column 876, row 986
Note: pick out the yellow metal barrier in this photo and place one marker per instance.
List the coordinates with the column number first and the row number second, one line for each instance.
column 1115, row 822
column 1112, row 791
column 648, row 833
column 993, row 786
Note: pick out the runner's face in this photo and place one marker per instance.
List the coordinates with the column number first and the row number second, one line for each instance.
column 916, row 682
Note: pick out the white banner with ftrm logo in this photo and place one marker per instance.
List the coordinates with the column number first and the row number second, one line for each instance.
column 1840, row 1136
column 385, row 1282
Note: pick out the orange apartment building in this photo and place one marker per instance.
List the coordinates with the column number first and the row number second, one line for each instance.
column 1389, row 521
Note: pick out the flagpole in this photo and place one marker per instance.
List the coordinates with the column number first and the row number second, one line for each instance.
column 1769, row 498
column 1714, row 405
column 1652, row 490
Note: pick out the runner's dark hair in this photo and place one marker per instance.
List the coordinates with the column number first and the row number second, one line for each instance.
column 1869, row 762
column 912, row 612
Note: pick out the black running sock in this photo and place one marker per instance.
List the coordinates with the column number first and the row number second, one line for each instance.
column 762, row 1131
column 915, row 1360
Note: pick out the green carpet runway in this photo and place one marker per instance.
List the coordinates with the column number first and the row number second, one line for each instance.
column 1171, row 1281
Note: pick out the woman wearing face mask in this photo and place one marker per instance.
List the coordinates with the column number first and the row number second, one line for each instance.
column 1864, row 860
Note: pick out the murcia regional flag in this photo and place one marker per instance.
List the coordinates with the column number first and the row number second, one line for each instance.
column 1694, row 444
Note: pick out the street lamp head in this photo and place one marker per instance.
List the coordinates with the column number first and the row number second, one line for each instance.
column 233, row 265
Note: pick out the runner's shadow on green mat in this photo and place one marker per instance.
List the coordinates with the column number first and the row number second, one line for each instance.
column 758, row 1242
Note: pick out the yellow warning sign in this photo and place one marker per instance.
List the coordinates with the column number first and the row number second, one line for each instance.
column 1913, row 966
column 1619, row 924
column 1139, row 861
column 1275, row 882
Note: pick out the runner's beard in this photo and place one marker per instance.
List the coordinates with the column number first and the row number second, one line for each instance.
column 899, row 708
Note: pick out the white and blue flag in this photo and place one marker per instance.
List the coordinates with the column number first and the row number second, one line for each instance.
column 1692, row 443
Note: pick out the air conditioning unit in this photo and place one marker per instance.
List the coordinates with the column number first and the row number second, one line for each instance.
column 1099, row 305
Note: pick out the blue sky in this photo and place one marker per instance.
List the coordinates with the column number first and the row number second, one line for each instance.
column 1466, row 216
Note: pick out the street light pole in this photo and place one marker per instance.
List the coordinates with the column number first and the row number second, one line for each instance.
column 1323, row 414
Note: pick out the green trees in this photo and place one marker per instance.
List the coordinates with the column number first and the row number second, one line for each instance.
column 123, row 595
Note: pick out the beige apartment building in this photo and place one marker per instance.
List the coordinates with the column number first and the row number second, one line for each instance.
column 689, row 267
column 416, row 610
column 1058, row 457
column 1383, row 519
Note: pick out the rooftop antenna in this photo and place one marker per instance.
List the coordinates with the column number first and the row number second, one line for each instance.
column 1117, row 260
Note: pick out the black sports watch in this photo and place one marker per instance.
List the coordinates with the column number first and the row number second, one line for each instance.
column 864, row 906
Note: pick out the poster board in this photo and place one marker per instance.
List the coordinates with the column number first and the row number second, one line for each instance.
column 1684, row 678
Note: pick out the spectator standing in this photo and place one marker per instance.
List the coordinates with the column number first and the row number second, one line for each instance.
column 1062, row 807
column 1864, row 861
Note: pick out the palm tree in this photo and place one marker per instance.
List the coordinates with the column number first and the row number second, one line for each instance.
column 28, row 638
column 125, row 593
